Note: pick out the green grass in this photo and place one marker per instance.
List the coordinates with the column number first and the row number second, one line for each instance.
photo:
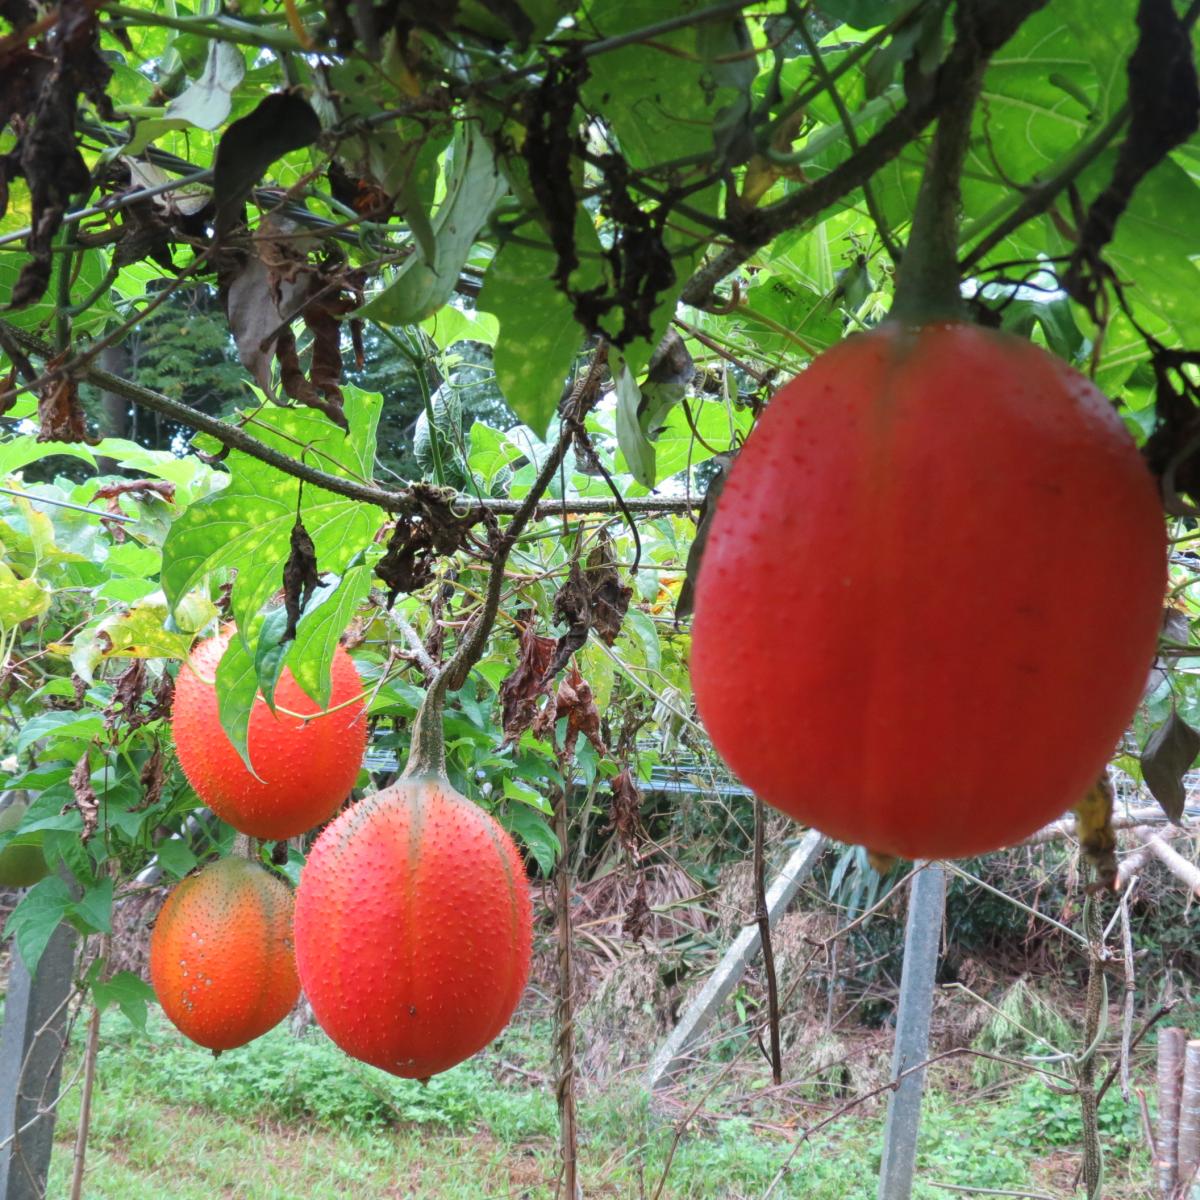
column 290, row 1118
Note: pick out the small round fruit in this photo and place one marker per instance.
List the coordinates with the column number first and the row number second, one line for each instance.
column 931, row 592
column 222, row 958
column 20, row 866
column 305, row 768
column 413, row 928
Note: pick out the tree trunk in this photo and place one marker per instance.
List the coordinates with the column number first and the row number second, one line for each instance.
column 114, row 410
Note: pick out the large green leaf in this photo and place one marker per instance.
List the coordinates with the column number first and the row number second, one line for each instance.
column 424, row 283
column 247, row 526
column 539, row 335
column 667, row 97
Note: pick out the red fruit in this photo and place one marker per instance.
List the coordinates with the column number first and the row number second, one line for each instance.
column 306, row 768
column 221, row 955
column 931, row 592
column 413, row 928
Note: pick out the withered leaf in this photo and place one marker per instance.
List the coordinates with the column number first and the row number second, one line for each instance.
column 127, row 694
column 429, row 529
column 638, row 915
column 524, row 688
column 625, row 810
column 85, row 797
column 300, row 577
column 1168, row 756
column 46, row 153
column 575, row 701
column 592, row 599
column 281, row 123
column 151, row 779
column 60, row 415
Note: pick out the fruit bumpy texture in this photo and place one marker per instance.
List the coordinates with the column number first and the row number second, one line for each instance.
column 931, row 592
column 305, row 768
column 222, row 960
column 413, row 928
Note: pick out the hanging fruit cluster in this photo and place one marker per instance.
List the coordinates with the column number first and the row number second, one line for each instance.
column 412, row 927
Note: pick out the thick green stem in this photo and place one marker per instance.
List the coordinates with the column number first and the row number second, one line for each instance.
column 927, row 288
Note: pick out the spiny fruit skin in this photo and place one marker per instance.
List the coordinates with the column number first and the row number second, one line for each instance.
column 413, row 928
column 20, row 866
column 222, row 958
column 306, row 768
column 931, row 592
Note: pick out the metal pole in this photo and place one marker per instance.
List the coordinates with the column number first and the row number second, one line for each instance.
column 922, row 939
column 672, row 1054
column 31, row 1056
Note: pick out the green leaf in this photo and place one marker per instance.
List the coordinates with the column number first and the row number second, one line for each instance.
column 331, row 609
column 33, row 922
column 139, row 633
column 209, row 101
column 19, row 452
column 491, row 451
column 515, row 790
column 539, row 335
column 248, row 525
column 21, row 599
column 531, row 829
column 128, row 992
column 175, row 857
column 639, row 626
column 237, row 685
column 639, row 453
column 667, row 99
column 74, row 726
column 449, row 325
column 92, row 912
column 424, row 284
column 1168, row 756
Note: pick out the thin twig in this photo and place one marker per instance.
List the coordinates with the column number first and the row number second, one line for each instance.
column 764, row 933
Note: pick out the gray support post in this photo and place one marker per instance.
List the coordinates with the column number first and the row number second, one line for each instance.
column 922, row 940
column 672, row 1053
column 31, row 1056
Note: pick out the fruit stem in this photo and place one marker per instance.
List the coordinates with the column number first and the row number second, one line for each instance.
column 928, row 286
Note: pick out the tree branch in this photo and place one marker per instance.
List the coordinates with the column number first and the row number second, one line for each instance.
column 391, row 500
column 992, row 23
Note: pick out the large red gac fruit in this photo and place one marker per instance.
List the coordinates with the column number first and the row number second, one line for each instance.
column 931, row 592
column 413, row 928
column 305, row 768
column 221, row 955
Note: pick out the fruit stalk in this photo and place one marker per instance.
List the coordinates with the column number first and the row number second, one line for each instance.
column 927, row 287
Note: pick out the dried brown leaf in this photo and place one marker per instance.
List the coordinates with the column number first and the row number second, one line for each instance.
column 576, row 702
column 521, row 692
column 625, row 811
column 40, row 94
column 300, row 576
column 60, row 415
column 85, row 797
column 127, row 695
column 151, row 779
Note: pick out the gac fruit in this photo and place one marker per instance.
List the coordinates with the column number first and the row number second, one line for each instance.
column 222, row 958
column 413, row 928
column 931, row 592
column 20, row 866
column 305, row 767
